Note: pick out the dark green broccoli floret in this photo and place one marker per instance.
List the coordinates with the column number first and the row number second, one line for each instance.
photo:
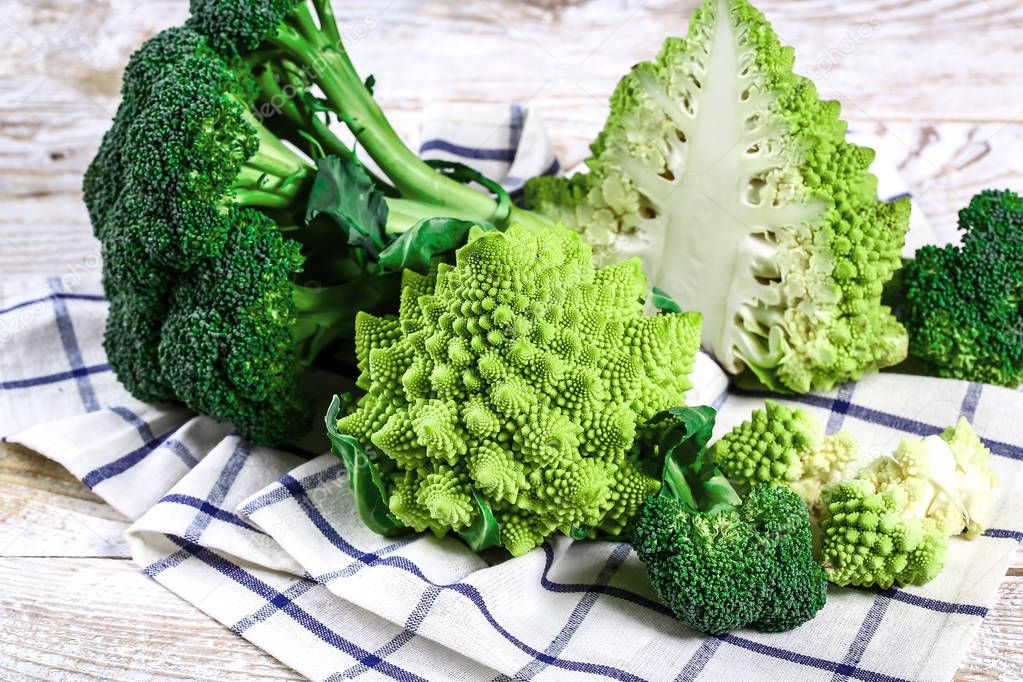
column 197, row 151
column 102, row 183
column 963, row 304
column 722, row 563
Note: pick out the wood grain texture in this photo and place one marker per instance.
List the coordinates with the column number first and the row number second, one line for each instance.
column 103, row 619
column 939, row 79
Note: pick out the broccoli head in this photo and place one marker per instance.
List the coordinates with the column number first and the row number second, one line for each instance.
column 723, row 170
column 963, row 305
column 720, row 562
column 239, row 234
column 868, row 537
column 781, row 445
column 518, row 375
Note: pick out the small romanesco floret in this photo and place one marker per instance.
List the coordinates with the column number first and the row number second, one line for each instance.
column 718, row 561
column 890, row 524
column 723, row 170
column 963, row 305
column 868, row 537
column 518, row 375
column 781, row 445
column 947, row 479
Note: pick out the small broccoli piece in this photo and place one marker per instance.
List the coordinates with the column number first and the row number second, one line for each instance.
column 518, row 374
column 717, row 561
column 868, row 537
column 780, row 445
column 890, row 523
column 734, row 183
column 947, row 479
column 963, row 305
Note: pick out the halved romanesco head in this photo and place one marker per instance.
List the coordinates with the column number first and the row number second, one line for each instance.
column 519, row 375
column 734, row 183
column 781, row 445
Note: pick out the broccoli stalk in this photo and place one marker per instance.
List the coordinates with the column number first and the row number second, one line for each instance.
column 717, row 561
column 299, row 45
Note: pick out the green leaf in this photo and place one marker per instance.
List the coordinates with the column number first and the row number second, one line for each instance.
column 363, row 478
column 484, row 532
column 346, row 193
column 663, row 302
column 418, row 248
column 680, row 435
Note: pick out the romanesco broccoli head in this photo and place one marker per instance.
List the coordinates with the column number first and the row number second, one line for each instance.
column 723, row 170
column 946, row 478
column 963, row 305
column 780, row 445
column 721, row 570
column 519, row 374
column 868, row 537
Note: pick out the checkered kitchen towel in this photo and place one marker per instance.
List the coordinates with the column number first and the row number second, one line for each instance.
column 268, row 542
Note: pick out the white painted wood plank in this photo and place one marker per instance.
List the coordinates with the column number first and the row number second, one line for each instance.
column 103, row 619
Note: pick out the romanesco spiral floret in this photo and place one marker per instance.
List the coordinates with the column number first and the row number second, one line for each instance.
column 868, row 538
column 734, row 183
column 780, row 445
column 890, row 524
column 519, row 373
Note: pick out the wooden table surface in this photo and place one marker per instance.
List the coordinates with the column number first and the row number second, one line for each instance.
column 941, row 78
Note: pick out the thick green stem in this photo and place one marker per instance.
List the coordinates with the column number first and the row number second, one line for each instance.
column 257, row 198
column 403, row 214
column 302, row 19
column 328, row 24
column 414, row 179
column 327, row 314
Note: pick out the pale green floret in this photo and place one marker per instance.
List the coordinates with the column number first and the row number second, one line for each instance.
column 867, row 538
column 947, row 479
column 781, row 445
column 891, row 522
column 519, row 375
column 726, row 174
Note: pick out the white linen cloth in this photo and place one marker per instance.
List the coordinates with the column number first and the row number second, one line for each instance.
column 268, row 543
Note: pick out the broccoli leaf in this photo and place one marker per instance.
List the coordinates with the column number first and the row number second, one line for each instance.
column 689, row 473
column 345, row 192
column 363, row 478
column 663, row 302
column 417, row 248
